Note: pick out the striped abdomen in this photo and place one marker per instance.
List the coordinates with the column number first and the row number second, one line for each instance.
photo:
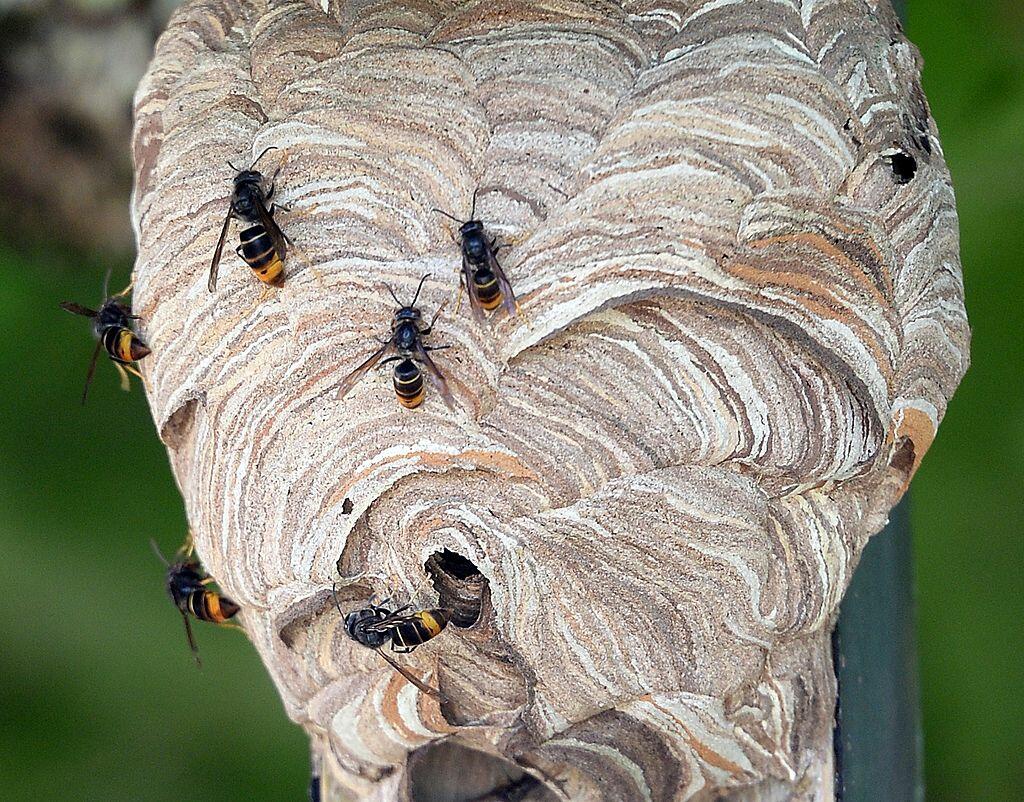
column 209, row 606
column 122, row 345
column 409, row 384
column 257, row 249
column 418, row 628
column 487, row 290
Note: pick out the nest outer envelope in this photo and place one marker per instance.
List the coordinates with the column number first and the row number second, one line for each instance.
column 741, row 323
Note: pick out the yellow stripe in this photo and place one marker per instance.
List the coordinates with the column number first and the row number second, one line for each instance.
column 271, row 273
column 415, row 401
column 124, row 345
column 213, row 607
column 430, row 623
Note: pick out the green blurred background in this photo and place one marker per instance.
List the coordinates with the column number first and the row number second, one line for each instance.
column 99, row 698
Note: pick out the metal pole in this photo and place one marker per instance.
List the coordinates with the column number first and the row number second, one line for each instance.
column 878, row 736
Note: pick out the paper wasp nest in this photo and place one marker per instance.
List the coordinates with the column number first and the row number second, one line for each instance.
column 734, row 240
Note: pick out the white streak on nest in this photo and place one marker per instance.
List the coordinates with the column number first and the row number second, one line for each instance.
column 408, row 699
column 669, row 265
column 615, row 757
column 343, row 723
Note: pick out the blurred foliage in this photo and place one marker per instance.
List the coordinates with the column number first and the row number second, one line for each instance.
column 968, row 498
column 100, row 698
column 68, row 70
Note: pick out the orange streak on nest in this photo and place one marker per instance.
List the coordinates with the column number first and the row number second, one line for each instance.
column 427, row 707
column 813, row 293
column 919, row 428
column 497, row 462
column 708, row 755
column 852, row 268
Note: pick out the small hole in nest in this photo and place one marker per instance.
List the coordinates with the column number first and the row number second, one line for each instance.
column 903, row 456
column 904, row 166
column 177, row 430
column 453, row 563
column 295, row 630
column 459, row 584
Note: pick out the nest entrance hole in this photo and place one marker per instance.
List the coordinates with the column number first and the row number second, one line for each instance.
column 447, row 771
column 904, row 166
column 453, row 564
column 459, row 584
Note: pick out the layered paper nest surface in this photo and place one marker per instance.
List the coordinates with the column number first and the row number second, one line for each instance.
column 734, row 242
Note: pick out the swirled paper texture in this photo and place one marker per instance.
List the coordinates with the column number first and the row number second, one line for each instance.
column 734, row 242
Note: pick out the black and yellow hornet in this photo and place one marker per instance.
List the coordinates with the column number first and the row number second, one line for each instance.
column 187, row 585
column 486, row 283
column 114, row 333
column 263, row 245
column 406, row 342
column 376, row 625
